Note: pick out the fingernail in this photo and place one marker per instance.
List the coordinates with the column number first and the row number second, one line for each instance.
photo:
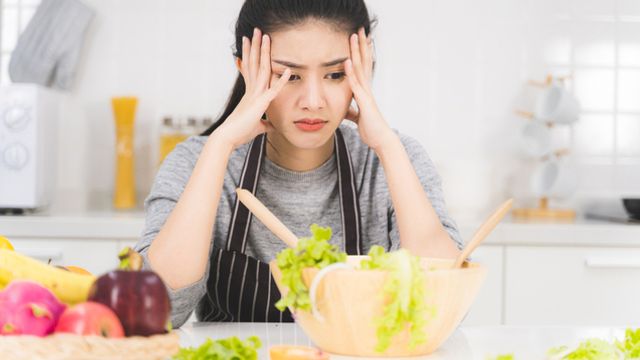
column 265, row 37
column 255, row 31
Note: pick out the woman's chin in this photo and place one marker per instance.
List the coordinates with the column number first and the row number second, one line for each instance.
column 308, row 141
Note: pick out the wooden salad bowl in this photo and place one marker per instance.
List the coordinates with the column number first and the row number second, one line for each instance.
column 350, row 300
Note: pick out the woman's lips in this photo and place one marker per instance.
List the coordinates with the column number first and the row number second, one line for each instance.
column 310, row 124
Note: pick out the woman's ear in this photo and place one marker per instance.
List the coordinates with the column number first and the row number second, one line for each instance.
column 238, row 63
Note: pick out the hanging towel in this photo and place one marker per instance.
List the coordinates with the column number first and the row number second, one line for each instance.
column 48, row 50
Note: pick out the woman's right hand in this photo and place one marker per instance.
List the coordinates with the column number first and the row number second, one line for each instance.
column 245, row 122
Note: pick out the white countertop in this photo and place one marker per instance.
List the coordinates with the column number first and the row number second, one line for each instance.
column 110, row 224
column 466, row 343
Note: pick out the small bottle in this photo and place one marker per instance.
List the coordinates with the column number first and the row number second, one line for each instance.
column 171, row 134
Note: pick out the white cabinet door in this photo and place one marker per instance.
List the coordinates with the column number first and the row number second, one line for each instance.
column 572, row 286
column 487, row 308
column 97, row 256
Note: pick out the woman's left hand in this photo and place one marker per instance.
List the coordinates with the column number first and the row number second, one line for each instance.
column 359, row 69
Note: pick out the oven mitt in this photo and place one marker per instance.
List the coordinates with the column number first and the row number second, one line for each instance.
column 48, row 50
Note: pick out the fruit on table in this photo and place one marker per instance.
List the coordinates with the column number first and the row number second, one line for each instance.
column 69, row 287
column 90, row 318
column 139, row 298
column 28, row 308
column 75, row 269
column 290, row 352
column 5, row 243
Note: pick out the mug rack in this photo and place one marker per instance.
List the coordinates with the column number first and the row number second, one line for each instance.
column 543, row 210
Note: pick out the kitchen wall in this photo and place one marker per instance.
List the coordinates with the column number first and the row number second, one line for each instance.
column 450, row 72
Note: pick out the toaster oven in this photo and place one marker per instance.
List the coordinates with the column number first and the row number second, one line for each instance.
column 28, row 117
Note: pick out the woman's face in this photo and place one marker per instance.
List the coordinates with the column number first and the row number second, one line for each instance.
column 312, row 105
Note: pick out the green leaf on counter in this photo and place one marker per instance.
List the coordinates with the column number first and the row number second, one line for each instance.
column 590, row 349
column 502, row 357
column 314, row 251
column 230, row 348
column 405, row 292
column 630, row 347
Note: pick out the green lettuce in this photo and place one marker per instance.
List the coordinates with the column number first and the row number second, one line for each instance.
column 630, row 346
column 590, row 349
column 502, row 357
column 314, row 251
column 405, row 293
column 230, row 348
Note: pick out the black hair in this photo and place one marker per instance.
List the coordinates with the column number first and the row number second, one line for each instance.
column 273, row 15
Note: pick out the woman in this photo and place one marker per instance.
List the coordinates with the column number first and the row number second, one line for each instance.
column 300, row 63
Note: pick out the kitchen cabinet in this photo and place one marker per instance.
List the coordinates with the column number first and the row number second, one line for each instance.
column 593, row 286
column 487, row 308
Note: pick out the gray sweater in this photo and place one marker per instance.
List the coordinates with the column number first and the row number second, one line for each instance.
column 299, row 199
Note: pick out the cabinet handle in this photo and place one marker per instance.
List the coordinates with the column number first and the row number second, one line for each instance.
column 42, row 254
column 611, row 263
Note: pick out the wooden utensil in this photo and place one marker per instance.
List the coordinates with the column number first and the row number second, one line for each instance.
column 482, row 232
column 267, row 218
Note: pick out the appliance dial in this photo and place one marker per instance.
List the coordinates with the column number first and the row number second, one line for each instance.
column 15, row 156
column 16, row 118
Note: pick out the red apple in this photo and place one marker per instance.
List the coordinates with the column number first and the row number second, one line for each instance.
column 90, row 318
column 139, row 298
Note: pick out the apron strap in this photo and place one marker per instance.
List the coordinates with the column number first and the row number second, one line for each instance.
column 241, row 218
column 350, row 208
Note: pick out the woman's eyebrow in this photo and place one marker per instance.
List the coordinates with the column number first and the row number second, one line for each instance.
column 298, row 66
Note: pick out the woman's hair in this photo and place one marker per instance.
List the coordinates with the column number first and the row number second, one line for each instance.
column 275, row 15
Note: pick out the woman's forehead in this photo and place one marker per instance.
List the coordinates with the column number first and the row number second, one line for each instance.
column 311, row 44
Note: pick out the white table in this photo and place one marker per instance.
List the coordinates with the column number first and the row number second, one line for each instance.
column 466, row 343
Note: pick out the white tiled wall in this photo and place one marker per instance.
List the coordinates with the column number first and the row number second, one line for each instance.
column 450, row 72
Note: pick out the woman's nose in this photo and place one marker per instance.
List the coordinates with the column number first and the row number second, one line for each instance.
column 313, row 96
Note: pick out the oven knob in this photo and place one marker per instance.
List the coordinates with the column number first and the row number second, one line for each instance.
column 16, row 118
column 15, row 156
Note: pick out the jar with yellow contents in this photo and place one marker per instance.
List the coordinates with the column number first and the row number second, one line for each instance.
column 172, row 132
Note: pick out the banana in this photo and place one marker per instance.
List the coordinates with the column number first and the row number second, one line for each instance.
column 70, row 288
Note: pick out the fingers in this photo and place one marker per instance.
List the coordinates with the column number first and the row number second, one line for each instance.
column 352, row 78
column 275, row 89
column 356, row 58
column 255, row 54
column 365, row 45
column 264, row 73
column 246, row 48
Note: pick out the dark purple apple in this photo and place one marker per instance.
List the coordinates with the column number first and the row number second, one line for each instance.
column 139, row 298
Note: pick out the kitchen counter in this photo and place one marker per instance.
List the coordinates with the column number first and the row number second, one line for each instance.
column 109, row 224
column 466, row 343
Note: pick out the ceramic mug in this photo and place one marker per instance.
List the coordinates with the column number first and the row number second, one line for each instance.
column 536, row 139
column 555, row 104
column 554, row 178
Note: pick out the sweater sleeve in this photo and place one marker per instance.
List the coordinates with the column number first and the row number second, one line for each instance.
column 168, row 185
column 432, row 184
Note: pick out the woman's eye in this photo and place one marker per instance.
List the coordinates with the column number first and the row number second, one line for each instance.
column 292, row 77
column 336, row 75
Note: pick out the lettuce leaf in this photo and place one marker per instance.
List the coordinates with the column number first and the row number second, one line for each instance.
column 230, row 348
column 630, row 347
column 405, row 294
column 502, row 357
column 590, row 349
column 314, row 251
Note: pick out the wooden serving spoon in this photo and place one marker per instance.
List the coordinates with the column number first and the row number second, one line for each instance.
column 482, row 232
column 269, row 220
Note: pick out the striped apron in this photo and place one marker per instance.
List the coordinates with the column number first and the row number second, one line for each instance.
column 240, row 288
